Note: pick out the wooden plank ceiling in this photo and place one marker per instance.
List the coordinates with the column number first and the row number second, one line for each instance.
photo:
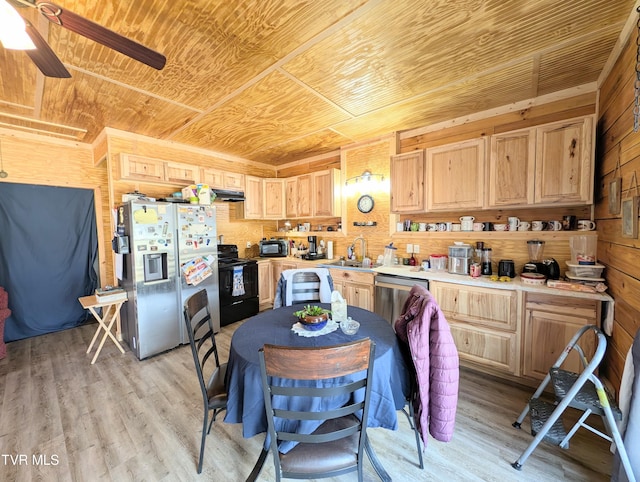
column 279, row 80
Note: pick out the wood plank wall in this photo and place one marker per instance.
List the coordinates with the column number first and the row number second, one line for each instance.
column 618, row 144
column 40, row 160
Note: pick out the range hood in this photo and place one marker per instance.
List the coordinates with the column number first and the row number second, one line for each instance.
column 228, row 196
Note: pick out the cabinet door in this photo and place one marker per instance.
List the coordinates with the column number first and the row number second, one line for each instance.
column 305, row 196
column 233, row 181
column 273, row 198
column 549, row 325
column 141, row 168
column 512, row 168
column 278, row 268
column 327, row 193
column 408, row 182
column 358, row 294
column 182, row 173
column 564, row 166
column 494, row 349
column 253, row 198
column 494, row 308
column 455, row 176
column 265, row 284
column 291, row 197
column 212, row 177
column 355, row 286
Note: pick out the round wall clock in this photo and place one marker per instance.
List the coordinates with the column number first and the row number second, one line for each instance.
column 365, row 203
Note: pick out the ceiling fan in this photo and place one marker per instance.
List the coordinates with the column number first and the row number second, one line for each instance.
column 45, row 58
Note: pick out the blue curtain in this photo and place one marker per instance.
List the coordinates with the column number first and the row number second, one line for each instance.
column 48, row 251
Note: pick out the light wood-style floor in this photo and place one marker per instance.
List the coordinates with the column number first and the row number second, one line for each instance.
column 123, row 419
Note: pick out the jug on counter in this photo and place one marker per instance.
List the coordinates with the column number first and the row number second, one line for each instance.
column 389, row 255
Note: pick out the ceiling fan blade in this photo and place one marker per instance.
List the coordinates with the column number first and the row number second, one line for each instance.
column 102, row 35
column 44, row 58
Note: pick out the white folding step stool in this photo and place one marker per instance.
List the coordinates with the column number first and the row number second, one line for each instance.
column 583, row 392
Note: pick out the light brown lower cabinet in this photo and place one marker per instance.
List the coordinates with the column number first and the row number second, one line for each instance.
column 550, row 321
column 515, row 333
column 266, row 288
column 356, row 287
column 484, row 325
column 278, row 266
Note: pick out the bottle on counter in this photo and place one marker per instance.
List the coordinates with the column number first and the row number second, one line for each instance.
column 413, row 261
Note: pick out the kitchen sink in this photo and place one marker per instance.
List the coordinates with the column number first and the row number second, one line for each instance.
column 344, row 263
column 347, row 263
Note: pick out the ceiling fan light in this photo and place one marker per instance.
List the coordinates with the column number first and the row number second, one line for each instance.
column 13, row 33
column 17, row 41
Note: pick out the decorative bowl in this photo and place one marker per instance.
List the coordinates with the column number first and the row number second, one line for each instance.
column 349, row 326
column 313, row 323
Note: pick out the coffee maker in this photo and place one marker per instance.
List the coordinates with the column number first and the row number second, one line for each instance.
column 313, row 249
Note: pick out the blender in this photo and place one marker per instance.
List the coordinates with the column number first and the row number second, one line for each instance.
column 536, row 263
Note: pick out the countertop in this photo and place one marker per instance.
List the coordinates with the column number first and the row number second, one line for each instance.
column 432, row 275
column 484, row 282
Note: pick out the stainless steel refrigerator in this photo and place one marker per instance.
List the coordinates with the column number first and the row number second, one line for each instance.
column 162, row 237
column 197, row 239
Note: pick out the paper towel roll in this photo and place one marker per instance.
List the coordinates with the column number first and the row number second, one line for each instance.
column 329, row 249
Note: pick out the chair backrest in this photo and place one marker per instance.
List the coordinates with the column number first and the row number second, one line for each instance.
column 199, row 324
column 289, row 372
column 306, row 287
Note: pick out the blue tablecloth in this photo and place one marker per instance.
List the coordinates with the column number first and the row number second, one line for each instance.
column 245, row 400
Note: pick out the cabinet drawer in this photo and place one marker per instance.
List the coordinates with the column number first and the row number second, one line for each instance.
column 495, row 349
column 482, row 306
column 352, row 276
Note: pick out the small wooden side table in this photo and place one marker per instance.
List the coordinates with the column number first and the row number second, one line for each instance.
column 110, row 313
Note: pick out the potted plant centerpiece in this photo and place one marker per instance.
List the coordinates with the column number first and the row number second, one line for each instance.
column 313, row 317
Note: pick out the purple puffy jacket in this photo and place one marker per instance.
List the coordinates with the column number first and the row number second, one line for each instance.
column 424, row 329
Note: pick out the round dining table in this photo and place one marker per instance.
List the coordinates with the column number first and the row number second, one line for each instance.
column 244, row 385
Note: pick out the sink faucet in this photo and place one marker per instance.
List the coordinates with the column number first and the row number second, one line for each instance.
column 363, row 246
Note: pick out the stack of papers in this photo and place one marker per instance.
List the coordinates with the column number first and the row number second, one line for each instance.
column 104, row 295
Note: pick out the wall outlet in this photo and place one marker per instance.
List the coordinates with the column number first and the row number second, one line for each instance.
column 248, row 244
column 409, row 248
column 416, row 248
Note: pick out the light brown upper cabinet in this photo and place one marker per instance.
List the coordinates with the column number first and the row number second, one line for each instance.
column 253, row 205
column 273, row 198
column 407, row 182
column 213, row 177
column 291, row 197
column 512, row 168
column 544, row 165
column 299, row 196
column 327, row 193
column 564, row 162
column 141, row 168
column 217, row 179
column 233, row 181
column 455, row 175
column 181, row 173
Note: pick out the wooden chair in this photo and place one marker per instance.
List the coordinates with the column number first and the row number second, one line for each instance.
column 337, row 446
column 211, row 373
column 297, row 286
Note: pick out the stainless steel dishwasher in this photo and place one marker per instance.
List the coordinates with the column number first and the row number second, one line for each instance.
column 391, row 293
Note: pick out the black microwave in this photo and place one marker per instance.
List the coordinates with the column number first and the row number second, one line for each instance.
column 273, row 248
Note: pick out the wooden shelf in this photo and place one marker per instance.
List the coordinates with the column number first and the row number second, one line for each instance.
column 516, row 235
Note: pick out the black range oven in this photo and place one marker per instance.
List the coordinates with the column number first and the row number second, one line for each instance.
column 237, row 285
